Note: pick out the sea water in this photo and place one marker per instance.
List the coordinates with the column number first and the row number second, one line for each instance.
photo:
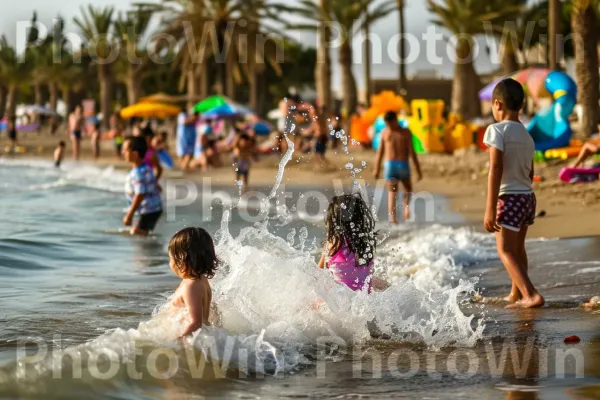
column 74, row 286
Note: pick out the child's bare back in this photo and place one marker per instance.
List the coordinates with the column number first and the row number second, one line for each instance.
column 398, row 144
column 196, row 296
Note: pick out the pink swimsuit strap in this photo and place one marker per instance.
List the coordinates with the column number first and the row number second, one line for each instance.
column 343, row 267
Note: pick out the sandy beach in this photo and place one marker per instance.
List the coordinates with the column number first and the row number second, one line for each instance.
column 461, row 178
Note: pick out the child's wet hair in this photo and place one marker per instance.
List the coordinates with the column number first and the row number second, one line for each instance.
column 193, row 251
column 510, row 93
column 390, row 116
column 350, row 222
column 138, row 144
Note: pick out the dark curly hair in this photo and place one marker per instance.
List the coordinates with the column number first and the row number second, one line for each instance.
column 350, row 222
column 193, row 251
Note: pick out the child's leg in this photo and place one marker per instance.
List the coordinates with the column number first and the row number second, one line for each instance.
column 407, row 184
column 507, row 243
column 392, row 200
column 587, row 150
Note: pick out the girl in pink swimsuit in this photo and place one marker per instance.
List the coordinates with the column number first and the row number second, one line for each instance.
column 351, row 241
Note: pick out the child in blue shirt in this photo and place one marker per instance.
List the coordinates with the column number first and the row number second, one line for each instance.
column 141, row 188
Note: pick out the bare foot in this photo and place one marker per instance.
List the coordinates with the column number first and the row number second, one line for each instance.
column 512, row 298
column 534, row 301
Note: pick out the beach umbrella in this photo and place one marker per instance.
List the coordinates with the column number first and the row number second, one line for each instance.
column 162, row 98
column 211, row 103
column 227, row 111
column 150, row 110
column 532, row 79
column 34, row 109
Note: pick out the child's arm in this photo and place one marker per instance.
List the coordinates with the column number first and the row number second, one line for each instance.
column 135, row 203
column 158, row 165
column 190, row 298
column 415, row 159
column 532, row 173
column 379, row 156
column 494, row 181
column 324, row 256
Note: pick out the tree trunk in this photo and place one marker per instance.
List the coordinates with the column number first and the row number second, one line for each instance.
column 323, row 67
column 134, row 85
column 3, row 95
column 262, row 95
column 67, row 99
column 348, row 82
column 192, row 86
column 367, row 64
column 402, row 49
column 509, row 58
column 105, row 80
column 37, row 94
column 466, row 83
column 583, row 22
column 221, row 61
column 554, row 53
column 230, row 88
column 204, row 84
column 53, row 89
column 11, row 101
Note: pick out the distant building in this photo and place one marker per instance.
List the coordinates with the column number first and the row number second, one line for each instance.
column 421, row 88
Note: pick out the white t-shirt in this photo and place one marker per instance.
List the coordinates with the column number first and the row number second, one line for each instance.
column 518, row 149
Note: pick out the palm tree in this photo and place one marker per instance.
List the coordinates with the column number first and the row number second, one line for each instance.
column 583, row 22
column 13, row 74
column 402, row 49
column 367, row 59
column 554, row 12
column 96, row 24
column 465, row 18
column 131, row 28
column 351, row 19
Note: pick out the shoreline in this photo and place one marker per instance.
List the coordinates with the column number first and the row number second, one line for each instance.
column 461, row 179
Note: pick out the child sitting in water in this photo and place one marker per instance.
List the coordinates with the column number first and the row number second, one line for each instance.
column 141, row 188
column 350, row 245
column 192, row 258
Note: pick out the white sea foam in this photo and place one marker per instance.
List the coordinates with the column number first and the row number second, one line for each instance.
column 70, row 173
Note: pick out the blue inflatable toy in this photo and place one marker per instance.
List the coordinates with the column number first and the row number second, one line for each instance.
column 550, row 128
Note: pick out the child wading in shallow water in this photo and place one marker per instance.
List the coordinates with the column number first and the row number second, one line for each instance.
column 193, row 259
column 350, row 245
column 141, row 188
column 397, row 149
column 511, row 202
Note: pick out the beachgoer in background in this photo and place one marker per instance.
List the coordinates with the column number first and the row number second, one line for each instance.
column 202, row 150
column 244, row 149
column 59, row 153
column 589, row 149
column 511, row 202
column 76, row 124
column 192, row 258
column 12, row 131
column 96, row 139
column 141, row 188
column 164, row 140
column 321, row 130
column 336, row 124
column 186, row 138
column 349, row 250
column 118, row 141
column 151, row 157
column 397, row 150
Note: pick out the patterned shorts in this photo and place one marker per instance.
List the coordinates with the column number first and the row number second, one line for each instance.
column 516, row 211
